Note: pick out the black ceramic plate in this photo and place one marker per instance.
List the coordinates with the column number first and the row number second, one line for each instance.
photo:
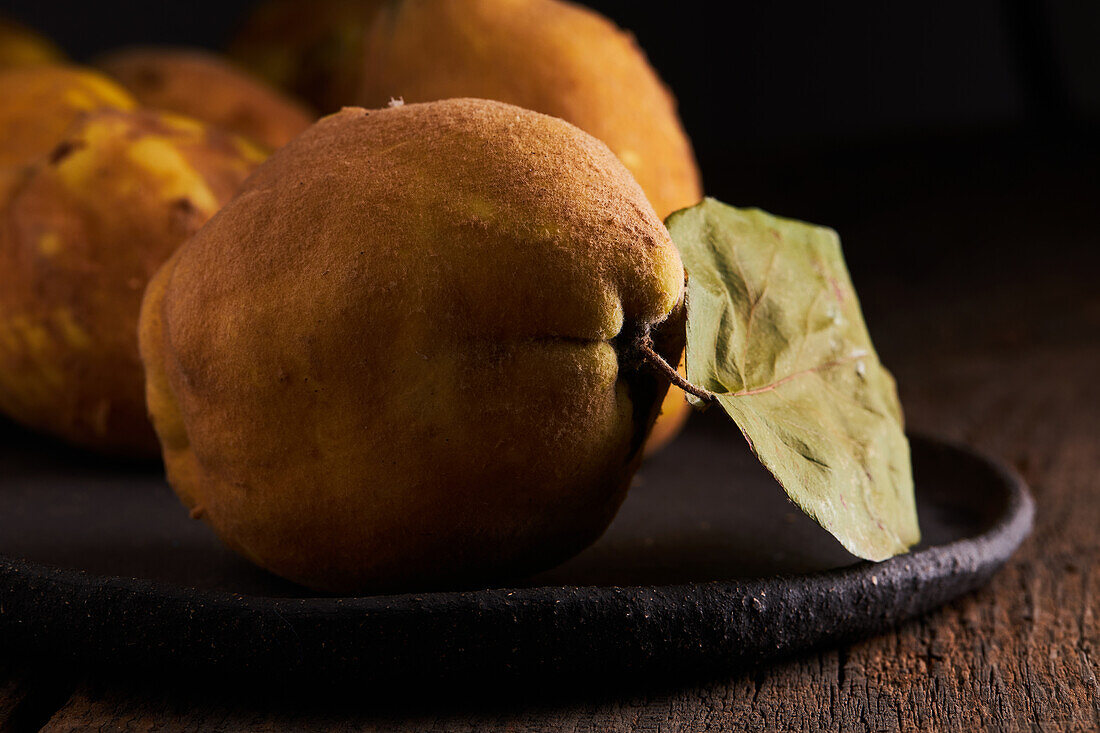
column 707, row 567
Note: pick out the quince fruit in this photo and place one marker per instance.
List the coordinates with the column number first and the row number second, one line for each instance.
column 549, row 56
column 404, row 354
column 20, row 46
column 206, row 87
column 38, row 104
column 81, row 232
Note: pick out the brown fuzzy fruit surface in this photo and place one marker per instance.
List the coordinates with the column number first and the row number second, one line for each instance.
column 80, row 235
column 549, row 56
column 399, row 357
column 545, row 55
column 206, row 87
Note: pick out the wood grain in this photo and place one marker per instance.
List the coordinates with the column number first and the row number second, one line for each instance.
column 1001, row 352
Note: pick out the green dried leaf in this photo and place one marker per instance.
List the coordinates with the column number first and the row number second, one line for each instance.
column 775, row 331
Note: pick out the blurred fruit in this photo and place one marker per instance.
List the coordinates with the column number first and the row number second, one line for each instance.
column 20, row 46
column 309, row 50
column 37, row 106
column 674, row 413
column 402, row 355
column 206, row 87
column 80, row 234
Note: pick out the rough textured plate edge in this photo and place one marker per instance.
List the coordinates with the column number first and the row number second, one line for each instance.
column 497, row 633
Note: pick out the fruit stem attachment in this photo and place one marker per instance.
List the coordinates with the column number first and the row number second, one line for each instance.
column 658, row 364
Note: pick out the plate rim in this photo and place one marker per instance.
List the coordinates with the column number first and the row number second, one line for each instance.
column 981, row 554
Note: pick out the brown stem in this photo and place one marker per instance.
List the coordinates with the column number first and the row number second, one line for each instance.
column 658, row 363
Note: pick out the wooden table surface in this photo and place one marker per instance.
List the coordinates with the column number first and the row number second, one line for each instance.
column 985, row 302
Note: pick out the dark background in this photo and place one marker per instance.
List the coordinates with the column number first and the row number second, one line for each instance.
column 769, row 73
column 861, row 114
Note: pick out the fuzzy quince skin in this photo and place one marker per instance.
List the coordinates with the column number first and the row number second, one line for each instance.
column 206, row 87
column 549, row 56
column 553, row 57
column 81, row 233
column 396, row 359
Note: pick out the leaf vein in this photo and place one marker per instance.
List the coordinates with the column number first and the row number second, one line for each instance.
column 752, row 313
column 810, row 370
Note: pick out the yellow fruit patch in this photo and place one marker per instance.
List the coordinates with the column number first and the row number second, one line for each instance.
column 70, row 330
column 248, row 150
column 179, row 123
column 178, row 179
column 108, row 93
column 49, row 244
column 631, row 159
